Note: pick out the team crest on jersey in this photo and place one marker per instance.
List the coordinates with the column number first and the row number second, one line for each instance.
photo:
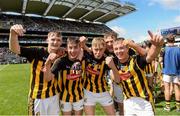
column 75, row 71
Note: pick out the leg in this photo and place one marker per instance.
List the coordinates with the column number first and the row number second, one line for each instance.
column 66, row 113
column 167, row 81
column 121, row 109
column 177, row 93
column 78, row 113
column 109, row 109
column 89, row 110
column 167, row 91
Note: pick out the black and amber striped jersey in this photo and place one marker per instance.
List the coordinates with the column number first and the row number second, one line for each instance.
column 39, row 87
column 70, row 78
column 134, row 81
column 95, row 80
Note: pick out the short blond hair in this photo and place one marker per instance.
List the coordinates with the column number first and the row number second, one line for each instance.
column 98, row 41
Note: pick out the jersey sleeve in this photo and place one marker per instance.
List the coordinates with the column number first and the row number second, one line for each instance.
column 29, row 53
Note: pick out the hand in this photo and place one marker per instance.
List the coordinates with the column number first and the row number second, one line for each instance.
column 109, row 61
column 61, row 52
column 17, row 29
column 82, row 40
column 156, row 40
column 128, row 42
column 51, row 58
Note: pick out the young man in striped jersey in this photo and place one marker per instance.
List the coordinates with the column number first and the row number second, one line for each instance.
column 43, row 94
column 95, row 85
column 139, row 99
column 70, row 69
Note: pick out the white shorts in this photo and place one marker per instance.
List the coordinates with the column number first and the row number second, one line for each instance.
column 137, row 106
column 47, row 106
column 68, row 106
column 90, row 98
column 118, row 93
column 171, row 78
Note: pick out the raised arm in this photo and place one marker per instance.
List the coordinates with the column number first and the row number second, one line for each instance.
column 48, row 75
column 157, row 43
column 114, row 74
column 15, row 31
column 83, row 40
column 136, row 47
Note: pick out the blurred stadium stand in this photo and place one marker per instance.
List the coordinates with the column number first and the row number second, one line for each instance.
column 71, row 17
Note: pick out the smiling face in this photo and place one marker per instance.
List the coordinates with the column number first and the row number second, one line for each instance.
column 54, row 41
column 73, row 48
column 121, row 51
column 98, row 47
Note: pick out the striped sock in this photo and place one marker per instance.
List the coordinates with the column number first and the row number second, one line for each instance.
column 167, row 104
column 177, row 104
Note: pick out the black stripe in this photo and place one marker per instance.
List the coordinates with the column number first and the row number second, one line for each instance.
column 90, row 83
column 102, row 81
column 54, row 88
column 96, row 83
column 68, row 95
column 47, row 91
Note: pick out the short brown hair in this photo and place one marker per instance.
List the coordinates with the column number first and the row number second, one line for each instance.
column 55, row 33
column 73, row 39
column 110, row 34
column 170, row 38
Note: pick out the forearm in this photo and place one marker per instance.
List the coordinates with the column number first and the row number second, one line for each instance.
column 115, row 74
column 153, row 53
column 141, row 51
column 48, row 75
column 13, row 43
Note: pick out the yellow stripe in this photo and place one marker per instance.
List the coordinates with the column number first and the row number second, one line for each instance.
column 64, row 81
column 50, row 88
column 60, row 81
column 100, row 76
column 37, row 78
column 31, row 77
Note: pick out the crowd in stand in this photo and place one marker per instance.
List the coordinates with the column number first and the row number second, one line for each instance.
column 46, row 25
column 8, row 57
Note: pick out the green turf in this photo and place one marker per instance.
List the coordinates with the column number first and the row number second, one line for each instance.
column 14, row 87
